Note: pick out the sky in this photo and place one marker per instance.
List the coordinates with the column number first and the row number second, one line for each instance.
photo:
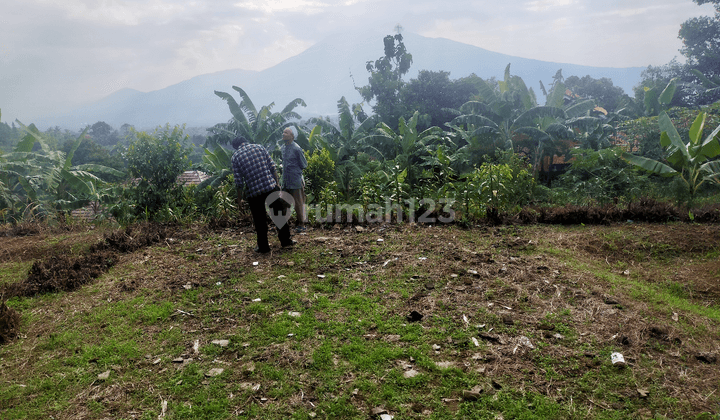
column 57, row 55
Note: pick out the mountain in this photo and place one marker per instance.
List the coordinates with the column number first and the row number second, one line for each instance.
column 320, row 75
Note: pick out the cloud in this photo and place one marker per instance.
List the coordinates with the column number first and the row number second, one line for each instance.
column 275, row 6
column 542, row 5
column 126, row 12
column 57, row 55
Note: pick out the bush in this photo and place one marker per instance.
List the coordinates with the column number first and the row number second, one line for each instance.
column 599, row 177
column 319, row 172
column 157, row 159
column 501, row 185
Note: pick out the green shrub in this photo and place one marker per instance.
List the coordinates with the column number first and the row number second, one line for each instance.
column 599, row 177
column 504, row 184
column 319, row 172
column 157, row 159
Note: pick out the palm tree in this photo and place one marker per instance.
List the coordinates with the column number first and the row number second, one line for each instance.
column 261, row 126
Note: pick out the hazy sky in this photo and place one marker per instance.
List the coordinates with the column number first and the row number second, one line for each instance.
column 58, row 54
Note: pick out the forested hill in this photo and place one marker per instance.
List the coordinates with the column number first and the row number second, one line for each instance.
column 320, row 75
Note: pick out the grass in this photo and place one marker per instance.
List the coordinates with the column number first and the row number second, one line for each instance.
column 303, row 346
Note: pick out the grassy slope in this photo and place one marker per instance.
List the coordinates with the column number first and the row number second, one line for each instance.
column 518, row 322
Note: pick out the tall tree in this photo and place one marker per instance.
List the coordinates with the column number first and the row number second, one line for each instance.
column 385, row 81
column 701, row 41
column 701, row 48
column 104, row 134
column 606, row 95
column 434, row 95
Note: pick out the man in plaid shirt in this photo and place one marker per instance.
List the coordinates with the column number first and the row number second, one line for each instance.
column 254, row 169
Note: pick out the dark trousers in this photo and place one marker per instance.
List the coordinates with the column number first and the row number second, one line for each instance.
column 257, row 208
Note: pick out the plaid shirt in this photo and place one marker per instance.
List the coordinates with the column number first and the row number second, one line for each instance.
column 253, row 167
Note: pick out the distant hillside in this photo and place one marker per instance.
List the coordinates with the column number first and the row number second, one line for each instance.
column 320, row 75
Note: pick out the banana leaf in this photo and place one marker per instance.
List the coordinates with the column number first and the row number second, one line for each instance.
column 649, row 164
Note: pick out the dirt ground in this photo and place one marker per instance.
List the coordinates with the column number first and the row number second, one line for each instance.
column 463, row 279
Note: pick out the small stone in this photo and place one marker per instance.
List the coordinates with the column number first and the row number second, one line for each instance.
column 104, row 376
column 359, row 229
column 378, row 410
column 249, row 386
column 294, row 314
column 411, row 373
column 221, row 343
column 471, row 395
column 214, row 372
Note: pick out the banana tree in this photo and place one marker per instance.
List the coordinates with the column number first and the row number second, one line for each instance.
column 505, row 131
column 47, row 177
column 508, row 113
column 343, row 142
column 657, row 101
column 261, row 126
column 691, row 162
column 217, row 164
column 408, row 147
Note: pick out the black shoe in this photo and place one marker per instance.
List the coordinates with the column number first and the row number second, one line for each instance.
column 261, row 251
column 289, row 244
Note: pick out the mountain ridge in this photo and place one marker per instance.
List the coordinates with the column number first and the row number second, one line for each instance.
column 320, row 75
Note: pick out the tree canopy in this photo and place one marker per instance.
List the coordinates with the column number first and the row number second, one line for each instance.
column 385, row 81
